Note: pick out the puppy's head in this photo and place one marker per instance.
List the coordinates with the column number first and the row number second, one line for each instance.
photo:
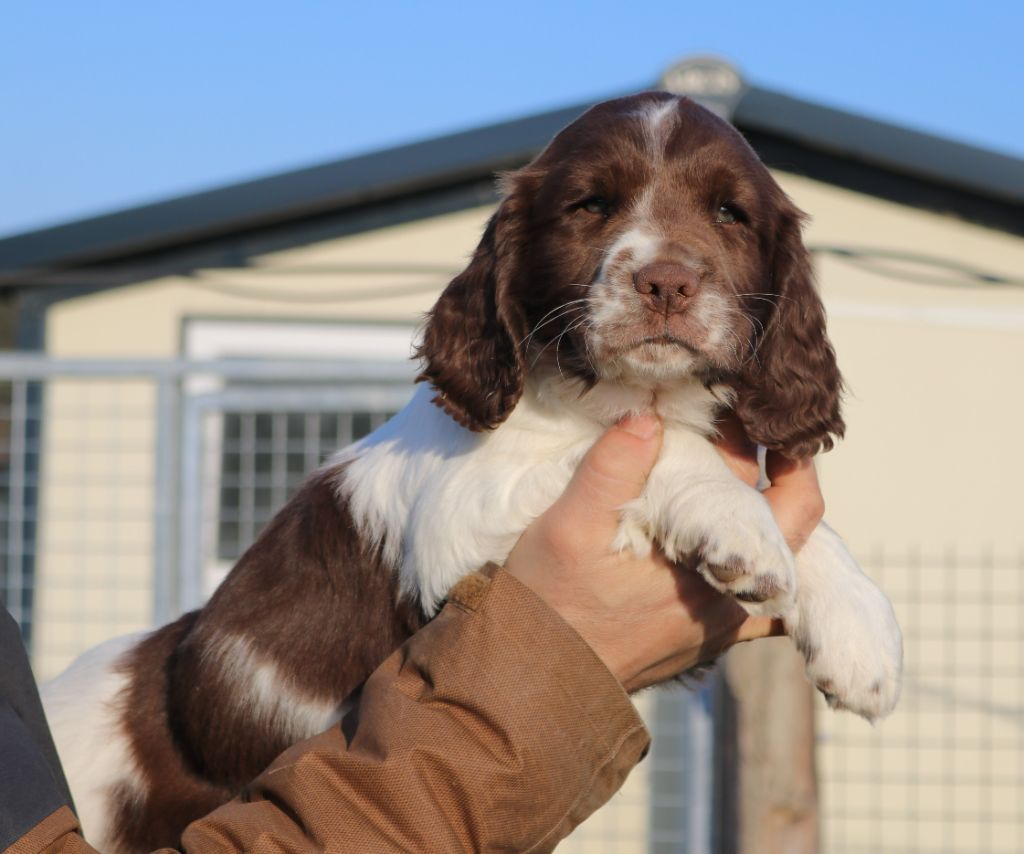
column 645, row 245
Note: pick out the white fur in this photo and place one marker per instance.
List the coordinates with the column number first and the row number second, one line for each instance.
column 659, row 119
column 268, row 695
column 712, row 311
column 83, row 710
column 643, row 243
column 444, row 501
column 662, row 114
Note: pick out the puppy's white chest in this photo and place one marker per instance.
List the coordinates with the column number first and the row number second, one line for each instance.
column 444, row 501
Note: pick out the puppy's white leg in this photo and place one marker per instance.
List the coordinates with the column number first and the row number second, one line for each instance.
column 846, row 629
column 693, row 505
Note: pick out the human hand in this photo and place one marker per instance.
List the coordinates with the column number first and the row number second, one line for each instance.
column 645, row 618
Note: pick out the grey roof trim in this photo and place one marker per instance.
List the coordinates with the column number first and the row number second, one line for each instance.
column 471, row 155
column 394, row 172
column 911, row 152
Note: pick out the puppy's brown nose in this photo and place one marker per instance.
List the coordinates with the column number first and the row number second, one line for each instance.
column 666, row 288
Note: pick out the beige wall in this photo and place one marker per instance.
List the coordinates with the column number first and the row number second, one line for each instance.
column 924, row 490
column 94, row 543
column 935, row 397
column 145, row 319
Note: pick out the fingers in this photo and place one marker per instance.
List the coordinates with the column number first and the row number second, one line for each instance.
column 613, row 472
column 795, row 498
column 760, row 627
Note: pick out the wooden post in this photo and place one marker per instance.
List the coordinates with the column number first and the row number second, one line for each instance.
column 769, row 788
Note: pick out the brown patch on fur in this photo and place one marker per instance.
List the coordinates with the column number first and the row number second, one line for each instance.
column 310, row 598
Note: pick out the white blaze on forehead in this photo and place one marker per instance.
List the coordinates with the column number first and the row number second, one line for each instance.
column 660, row 114
column 659, row 122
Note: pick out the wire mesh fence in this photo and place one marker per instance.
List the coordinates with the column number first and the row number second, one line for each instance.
column 945, row 773
column 74, row 498
column 128, row 490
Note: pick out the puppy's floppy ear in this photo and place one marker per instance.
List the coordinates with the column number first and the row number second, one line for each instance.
column 472, row 348
column 789, row 391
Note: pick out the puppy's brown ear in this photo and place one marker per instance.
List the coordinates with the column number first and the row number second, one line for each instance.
column 472, row 346
column 788, row 394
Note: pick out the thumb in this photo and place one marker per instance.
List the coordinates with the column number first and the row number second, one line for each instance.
column 613, row 471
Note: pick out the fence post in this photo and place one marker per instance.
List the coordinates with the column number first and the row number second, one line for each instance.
column 166, row 595
column 773, row 777
column 190, row 552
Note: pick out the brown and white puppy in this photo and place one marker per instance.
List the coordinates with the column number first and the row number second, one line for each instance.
column 645, row 261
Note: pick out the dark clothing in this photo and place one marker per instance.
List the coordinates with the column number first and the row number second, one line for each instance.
column 32, row 783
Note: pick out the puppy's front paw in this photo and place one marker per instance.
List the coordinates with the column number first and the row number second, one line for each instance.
column 741, row 552
column 855, row 662
column 757, row 570
column 847, row 630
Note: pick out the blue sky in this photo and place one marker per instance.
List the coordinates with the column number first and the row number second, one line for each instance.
column 107, row 103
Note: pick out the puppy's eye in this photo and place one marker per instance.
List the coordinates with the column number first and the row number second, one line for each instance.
column 597, row 205
column 727, row 214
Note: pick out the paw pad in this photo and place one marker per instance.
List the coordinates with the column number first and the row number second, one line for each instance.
column 733, row 568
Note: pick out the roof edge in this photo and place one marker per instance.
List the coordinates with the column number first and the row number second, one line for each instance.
column 375, row 176
column 987, row 177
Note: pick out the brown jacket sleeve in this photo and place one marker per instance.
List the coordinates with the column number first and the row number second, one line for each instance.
column 495, row 728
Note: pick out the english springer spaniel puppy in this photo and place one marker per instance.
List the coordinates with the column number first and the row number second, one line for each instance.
column 644, row 261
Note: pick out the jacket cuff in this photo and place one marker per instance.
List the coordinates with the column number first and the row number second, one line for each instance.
column 57, row 832
column 585, row 735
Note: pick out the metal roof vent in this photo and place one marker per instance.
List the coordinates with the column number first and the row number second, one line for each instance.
column 713, row 82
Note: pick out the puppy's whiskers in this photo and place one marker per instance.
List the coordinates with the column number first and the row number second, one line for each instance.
column 576, row 324
column 572, row 325
column 556, row 313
